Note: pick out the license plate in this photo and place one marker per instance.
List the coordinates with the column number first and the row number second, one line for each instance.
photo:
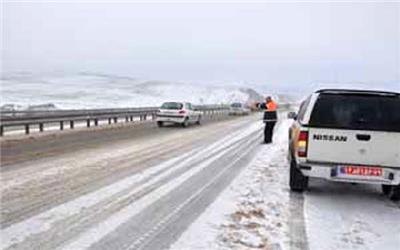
column 360, row 171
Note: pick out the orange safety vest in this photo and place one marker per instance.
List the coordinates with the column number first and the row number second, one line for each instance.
column 271, row 106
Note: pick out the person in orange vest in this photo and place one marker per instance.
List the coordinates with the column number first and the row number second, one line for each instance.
column 270, row 117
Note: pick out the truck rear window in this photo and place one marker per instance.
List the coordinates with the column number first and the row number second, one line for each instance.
column 357, row 111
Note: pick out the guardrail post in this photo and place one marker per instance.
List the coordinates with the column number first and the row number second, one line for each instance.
column 88, row 123
column 126, row 118
column 1, row 130
column 115, row 119
column 109, row 120
column 145, row 117
column 71, row 124
column 131, row 118
column 61, row 125
column 96, row 122
column 26, row 128
column 41, row 127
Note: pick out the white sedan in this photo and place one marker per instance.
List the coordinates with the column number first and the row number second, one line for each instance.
column 179, row 113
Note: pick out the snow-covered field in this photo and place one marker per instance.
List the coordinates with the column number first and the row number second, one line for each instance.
column 87, row 90
column 257, row 211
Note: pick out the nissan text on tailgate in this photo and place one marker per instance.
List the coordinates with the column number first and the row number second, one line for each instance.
column 347, row 136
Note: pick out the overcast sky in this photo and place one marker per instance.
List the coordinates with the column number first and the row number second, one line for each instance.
column 277, row 43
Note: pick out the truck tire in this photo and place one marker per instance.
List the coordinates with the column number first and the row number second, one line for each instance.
column 297, row 181
column 160, row 124
column 198, row 120
column 394, row 193
column 386, row 189
column 185, row 122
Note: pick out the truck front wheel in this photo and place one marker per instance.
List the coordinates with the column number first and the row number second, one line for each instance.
column 297, row 181
column 185, row 122
column 198, row 120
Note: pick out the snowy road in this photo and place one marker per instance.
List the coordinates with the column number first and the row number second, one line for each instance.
column 257, row 211
column 213, row 186
column 128, row 194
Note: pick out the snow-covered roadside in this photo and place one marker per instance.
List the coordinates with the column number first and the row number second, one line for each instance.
column 253, row 211
column 350, row 217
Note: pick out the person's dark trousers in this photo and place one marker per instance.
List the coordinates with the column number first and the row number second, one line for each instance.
column 269, row 131
column 270, row 118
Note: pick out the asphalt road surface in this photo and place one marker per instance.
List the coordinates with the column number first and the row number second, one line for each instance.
column 124, row 188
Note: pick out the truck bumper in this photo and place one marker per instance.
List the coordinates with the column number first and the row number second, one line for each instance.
column 390, row 176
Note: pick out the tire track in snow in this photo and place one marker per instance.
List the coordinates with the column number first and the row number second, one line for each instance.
column 107, row 207
column 140, row 243
column 297, row 225
column 102, row 229
column 45, row 190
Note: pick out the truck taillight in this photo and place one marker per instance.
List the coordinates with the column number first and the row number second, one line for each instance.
column 302, row 144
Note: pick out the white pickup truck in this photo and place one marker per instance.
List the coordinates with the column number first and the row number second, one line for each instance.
column 347, row 136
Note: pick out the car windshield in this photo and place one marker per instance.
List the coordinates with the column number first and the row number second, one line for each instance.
column 236, row 105
column 357, row 111
column 172, row 105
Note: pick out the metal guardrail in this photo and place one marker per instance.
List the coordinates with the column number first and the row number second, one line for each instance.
column 91, row 116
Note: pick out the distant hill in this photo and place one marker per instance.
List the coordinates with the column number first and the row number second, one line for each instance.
column 93, row 90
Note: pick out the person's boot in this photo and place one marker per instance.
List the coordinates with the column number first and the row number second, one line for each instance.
column 266, row 141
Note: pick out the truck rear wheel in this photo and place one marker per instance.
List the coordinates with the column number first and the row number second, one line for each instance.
column 297, row 181
column 386, row 189
column 394, row 193
column 160, row 124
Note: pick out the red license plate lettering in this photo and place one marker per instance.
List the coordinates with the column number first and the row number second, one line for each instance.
column 362, row 171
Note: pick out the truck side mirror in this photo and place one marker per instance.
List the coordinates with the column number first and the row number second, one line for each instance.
column 292, row 115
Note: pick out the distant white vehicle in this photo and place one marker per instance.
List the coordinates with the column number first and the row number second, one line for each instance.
column 238, row 108
column 179, row 113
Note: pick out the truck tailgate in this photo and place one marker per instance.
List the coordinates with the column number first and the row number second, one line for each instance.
column 354, row 147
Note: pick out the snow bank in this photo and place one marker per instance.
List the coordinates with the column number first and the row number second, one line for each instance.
column 350, row 217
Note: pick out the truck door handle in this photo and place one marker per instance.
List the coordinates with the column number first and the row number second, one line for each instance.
column 363, row 137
